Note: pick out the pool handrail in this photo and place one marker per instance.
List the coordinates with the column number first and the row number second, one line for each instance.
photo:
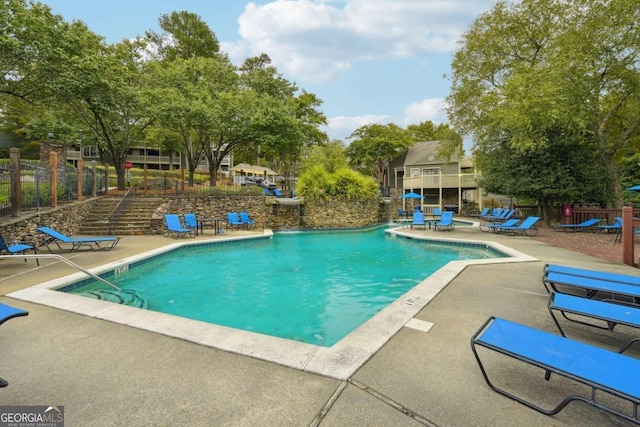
column 69, row 262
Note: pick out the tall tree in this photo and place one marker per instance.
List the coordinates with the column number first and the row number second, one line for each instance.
column 30, row 39
column 374, row 145
column 331, row 156
column 185, row 35
column 108, row 90
column 286, row 121
column 186, row 97
column 526, row 71
column 451, row 141
column 547, row 175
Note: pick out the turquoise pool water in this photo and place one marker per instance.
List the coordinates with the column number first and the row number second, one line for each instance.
column 313, row 287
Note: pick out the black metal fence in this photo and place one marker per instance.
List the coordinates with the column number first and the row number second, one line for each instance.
column 36, row 190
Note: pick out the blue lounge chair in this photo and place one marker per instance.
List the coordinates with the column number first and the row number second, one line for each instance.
column 594, row 274
column 603, row 371
column 233, row 220
column 526, row 228
column 495, row 213
column 245, row 220
column 495, row 226
column 17, row 248
column 504, row 215
column 95, row 243
column 437, row 212
column 610, row 314
column 611, row 228
column 446, row 221
column 484, row 212
column 277, row 192
column 174, row 227
column 402, row 213
column 418, row 220
column 7, row 312
column 191, row 222
column 587, row 225
column 591, row 286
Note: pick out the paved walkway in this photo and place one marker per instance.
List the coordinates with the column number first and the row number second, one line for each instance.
column 107, row 374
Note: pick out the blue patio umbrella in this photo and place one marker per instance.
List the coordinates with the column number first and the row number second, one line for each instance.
column 411, row 195
column 634, row 188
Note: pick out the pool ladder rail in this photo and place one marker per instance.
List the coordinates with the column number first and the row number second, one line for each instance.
column 116, row 295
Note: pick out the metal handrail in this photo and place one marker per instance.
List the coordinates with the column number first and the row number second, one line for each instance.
column 71, row 263
column 120, row 208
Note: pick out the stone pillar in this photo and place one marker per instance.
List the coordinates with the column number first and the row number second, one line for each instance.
column 627, row 235
column 53, row 163
column 16, row 182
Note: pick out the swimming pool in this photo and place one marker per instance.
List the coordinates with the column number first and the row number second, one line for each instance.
column 313, row 287
column 339, row 361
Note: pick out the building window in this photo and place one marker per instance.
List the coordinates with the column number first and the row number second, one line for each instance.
column 431, row 171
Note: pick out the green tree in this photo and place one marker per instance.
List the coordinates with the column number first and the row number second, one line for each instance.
column 527, row 71
column 185, row 35
column 374, row 145
column 191, row 98
column 108, row 91
column 331, row 156
column 547, row 175
column 451, row 141
column 285, row 121
column 30, row 39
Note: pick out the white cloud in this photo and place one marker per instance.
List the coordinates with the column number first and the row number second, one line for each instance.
column 237, row 51
column 428, row 109
column 341, row 127
column 318, row 40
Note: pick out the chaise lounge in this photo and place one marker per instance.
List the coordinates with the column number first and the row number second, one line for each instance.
column 7, row 312
column 418, row 220
column 588, row 225
column 600, row 314
column 526, row 228
column 94, row 243
column 611, row 377
column 446, row 221
column 174, row 227
column 233, row 220
column 17, row 248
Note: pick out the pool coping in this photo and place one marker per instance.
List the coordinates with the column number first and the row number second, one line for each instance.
column 339, row 361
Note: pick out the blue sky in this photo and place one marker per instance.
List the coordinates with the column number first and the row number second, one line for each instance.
column 369, row 61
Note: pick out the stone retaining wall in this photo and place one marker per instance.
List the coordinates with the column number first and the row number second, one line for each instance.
column 65, row 219
column 268, row 212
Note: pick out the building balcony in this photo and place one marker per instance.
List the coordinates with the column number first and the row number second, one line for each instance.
column 465, row 180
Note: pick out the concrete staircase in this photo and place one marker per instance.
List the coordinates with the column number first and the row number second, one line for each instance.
column 136, row 220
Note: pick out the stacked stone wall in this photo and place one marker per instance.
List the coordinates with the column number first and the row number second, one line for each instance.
column 65, row 219
column 268, row 212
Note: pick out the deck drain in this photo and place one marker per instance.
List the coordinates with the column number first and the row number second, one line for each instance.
column 419, row 325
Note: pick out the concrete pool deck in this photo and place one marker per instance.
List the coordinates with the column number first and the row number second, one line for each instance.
column 105, row 373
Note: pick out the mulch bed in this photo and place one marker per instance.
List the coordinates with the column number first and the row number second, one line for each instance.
column 601, row 245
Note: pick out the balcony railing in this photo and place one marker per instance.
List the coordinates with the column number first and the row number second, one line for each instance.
column 465, row 180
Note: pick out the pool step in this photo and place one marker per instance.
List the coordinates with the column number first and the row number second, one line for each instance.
column 124, row 297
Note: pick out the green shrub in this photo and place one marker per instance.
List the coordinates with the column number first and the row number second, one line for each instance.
column 318, row 184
